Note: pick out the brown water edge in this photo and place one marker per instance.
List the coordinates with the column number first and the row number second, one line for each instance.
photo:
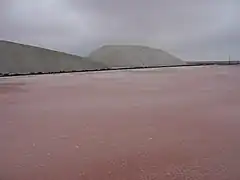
column 171, row 124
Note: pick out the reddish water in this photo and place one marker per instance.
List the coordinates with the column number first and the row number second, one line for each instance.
column 167, row 124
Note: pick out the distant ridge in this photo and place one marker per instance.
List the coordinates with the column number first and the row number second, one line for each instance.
column 23, row 59
column 20, row 58
column 133, row 56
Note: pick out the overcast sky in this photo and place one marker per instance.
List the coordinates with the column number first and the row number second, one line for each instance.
column 190, row 29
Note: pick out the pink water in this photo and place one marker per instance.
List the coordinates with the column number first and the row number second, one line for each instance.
column 166, row 124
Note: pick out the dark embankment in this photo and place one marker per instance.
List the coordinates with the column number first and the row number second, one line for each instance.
column 202, row 63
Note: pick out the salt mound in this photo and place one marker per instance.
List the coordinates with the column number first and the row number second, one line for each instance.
column 133, row 56
column 19, row 58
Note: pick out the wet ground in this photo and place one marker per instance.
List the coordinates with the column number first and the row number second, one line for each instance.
column 162, row 124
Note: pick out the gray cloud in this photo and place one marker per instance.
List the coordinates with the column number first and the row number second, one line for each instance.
column 192, row 29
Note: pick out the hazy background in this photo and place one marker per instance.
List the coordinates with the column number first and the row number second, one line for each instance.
column 190, row 29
